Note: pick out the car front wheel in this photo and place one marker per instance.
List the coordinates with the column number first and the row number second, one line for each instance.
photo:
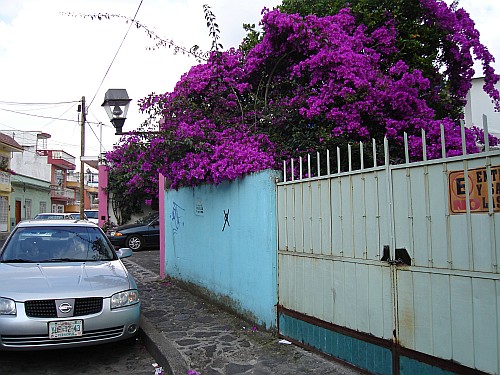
column 134, row 243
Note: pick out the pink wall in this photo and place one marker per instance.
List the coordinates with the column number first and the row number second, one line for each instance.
column 161, row 197
column 102, row 194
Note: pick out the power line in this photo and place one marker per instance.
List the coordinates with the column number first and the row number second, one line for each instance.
column 46, row 117
column 116, row 54
column 50, row 122
column 39, row 116
column 24, row 103
column 77, row 101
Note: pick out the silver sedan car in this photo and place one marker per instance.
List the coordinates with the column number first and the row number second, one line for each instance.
column 63, row 285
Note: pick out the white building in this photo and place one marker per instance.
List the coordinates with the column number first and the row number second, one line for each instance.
column 479, row 104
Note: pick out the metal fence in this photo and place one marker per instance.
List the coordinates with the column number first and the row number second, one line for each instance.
column 393, row 267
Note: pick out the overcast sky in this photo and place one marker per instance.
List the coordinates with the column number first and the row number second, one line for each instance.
column 48, row 57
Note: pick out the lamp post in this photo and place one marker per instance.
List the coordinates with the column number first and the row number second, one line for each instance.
column 82, row 153
column 116, row 102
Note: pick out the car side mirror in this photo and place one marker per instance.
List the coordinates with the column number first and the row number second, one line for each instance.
column 124, row 252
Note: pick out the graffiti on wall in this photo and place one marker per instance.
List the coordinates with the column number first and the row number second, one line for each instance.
column 226, row 219
column 176, row 217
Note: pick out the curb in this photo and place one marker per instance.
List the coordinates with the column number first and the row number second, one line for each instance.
column 161, row 349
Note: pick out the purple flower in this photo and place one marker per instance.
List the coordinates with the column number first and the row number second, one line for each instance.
column 310, row 82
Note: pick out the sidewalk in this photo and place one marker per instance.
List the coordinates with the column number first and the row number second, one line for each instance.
column 185, row 333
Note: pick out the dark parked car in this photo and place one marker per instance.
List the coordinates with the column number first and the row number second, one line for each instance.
column 144, row 233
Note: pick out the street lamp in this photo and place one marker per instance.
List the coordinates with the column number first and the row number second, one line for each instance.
column 116, row 102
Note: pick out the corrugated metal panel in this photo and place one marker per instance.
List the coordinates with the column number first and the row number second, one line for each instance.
column 485, row 295
column 450, row 316
column 350, row 294
column 445, row 305
column 282, row 217
column 462, row 325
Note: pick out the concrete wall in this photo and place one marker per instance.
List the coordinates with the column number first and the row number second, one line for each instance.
column 29, row 163
column 479, row 103
column 223, row 239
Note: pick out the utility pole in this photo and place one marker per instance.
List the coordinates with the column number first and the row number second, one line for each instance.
column 82, row 153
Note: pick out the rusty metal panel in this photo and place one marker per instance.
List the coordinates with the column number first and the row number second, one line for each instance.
column 350, row 294
column 462, row 325
column 307, row 229
column 325, row 216
column 405, row 327
column 458, row 235
column 336, row 221
column 403, row 209
column 282, row 217
column 315, row 221
column 482, row 260
column 419, row 222
column 343, row 190
column 380, row 302
column 297, row 217
column 339, row 294
column 446, row 304
column 450, row 316
column 485, row 295
column 436, row 221
column 376, row 222
column 358, row 222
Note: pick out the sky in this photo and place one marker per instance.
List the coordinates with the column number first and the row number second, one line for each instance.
column 49, row 60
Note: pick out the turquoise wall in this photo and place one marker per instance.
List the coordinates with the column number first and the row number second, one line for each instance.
column 223, row 238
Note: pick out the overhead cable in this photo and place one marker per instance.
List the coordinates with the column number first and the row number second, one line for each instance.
column 116, row 54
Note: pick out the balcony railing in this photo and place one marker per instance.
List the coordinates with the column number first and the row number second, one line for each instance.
column 62, row 193
column 4, row 178
column 63, row 156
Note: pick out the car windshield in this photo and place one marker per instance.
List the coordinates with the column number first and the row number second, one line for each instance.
column 148, row 219
column 57, row 244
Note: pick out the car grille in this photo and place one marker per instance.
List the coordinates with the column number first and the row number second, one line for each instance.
column 43, row 340
column 47, row 308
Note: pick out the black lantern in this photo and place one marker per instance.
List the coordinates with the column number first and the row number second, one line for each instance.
column 116, row 102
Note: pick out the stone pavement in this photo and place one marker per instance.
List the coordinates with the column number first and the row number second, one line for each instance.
column 185, row 333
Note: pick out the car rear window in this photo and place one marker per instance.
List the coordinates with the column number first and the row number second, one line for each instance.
column 92, row 214
column 49, row 217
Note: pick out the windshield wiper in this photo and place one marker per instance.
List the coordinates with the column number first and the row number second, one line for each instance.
column 63, row 260
column 18, row 261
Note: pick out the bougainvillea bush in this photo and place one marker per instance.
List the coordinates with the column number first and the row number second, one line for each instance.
column 311, row 83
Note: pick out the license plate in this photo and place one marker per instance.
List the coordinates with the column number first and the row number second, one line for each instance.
column 66, row 328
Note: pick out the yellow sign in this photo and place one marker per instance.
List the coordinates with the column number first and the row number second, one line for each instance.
column 478, row 190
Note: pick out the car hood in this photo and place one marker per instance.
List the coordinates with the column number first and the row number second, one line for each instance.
column 24, row 281
column 129, row 226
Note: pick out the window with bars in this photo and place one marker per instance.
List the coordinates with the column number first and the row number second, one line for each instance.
column 4, row 213
column 4, row 163
column 43, row 207
column 27, row 206
column 4, row 178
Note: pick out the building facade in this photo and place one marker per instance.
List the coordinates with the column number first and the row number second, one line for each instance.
column 8, row 146
column 31, row 183
column 479, row 104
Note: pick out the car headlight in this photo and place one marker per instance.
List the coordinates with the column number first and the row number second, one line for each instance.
column 122, row 299
column 116, row 234
column 7, row 307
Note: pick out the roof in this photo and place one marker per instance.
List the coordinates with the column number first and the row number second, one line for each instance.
column 11, row 144
column 56, row 223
